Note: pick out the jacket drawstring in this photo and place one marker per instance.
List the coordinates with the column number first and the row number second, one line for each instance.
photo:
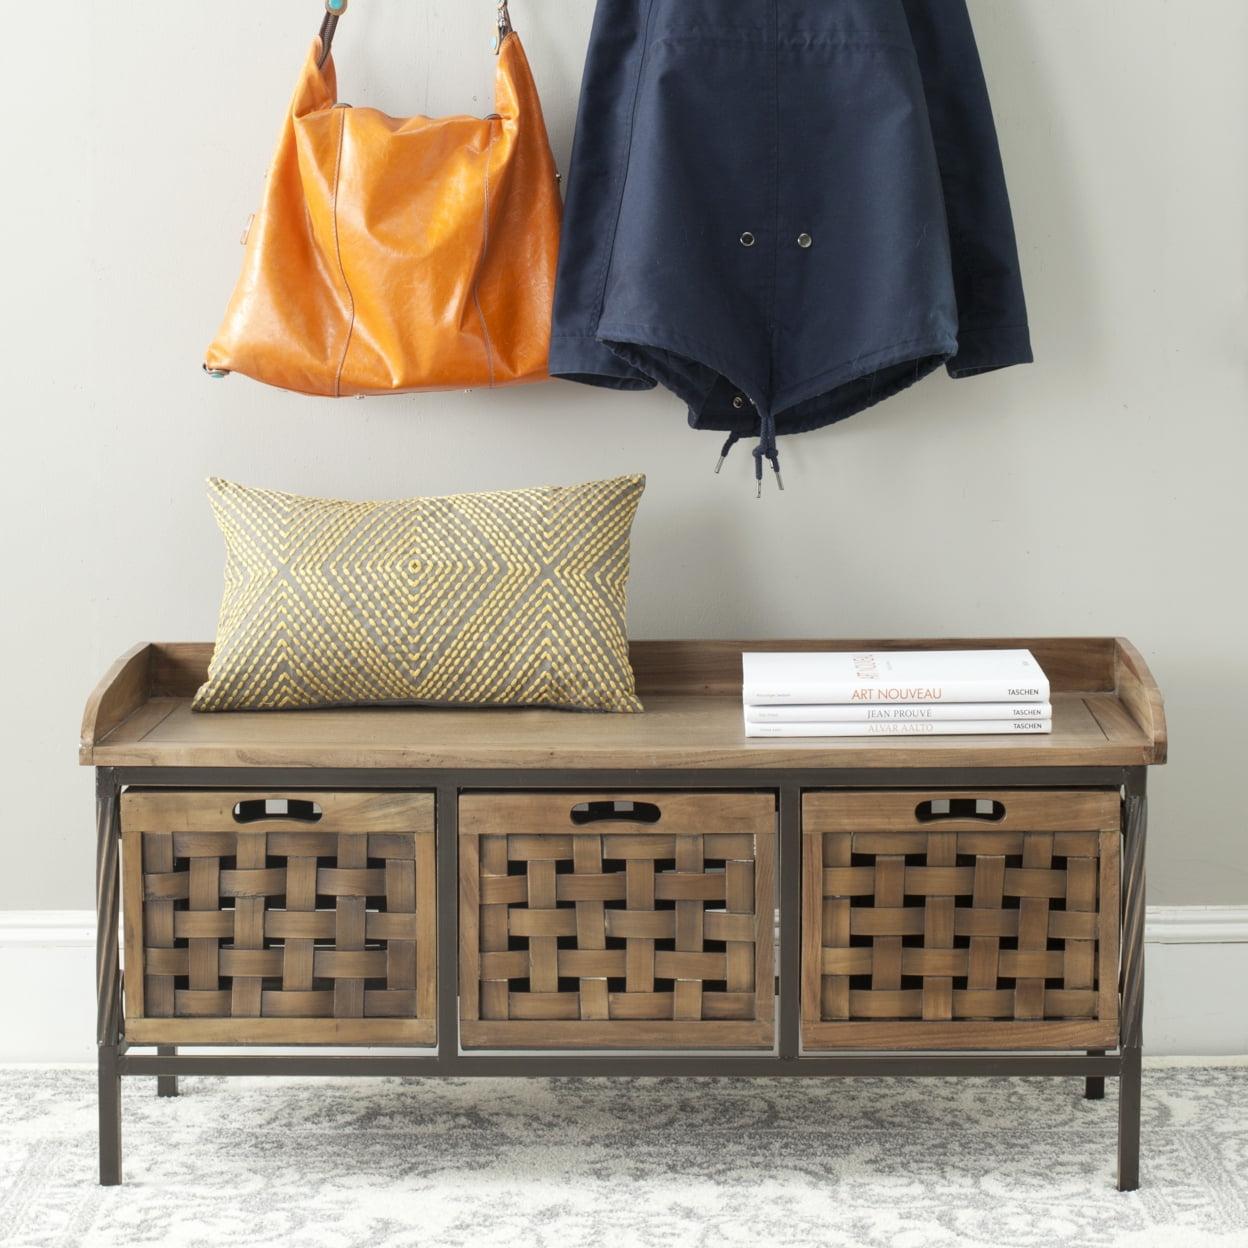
column 765, row 450
column 733, row 439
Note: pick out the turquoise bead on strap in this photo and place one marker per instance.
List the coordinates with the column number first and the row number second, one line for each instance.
column 336, row 7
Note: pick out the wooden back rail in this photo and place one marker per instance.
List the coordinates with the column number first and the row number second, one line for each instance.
column 1120, row 690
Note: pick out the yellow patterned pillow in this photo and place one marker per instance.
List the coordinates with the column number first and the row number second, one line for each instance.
column 515, row 598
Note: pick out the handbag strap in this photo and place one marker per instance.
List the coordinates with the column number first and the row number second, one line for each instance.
column 334, row 9
column 504, row 25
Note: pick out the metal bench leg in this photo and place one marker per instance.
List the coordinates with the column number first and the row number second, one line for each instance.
column 1129, row 1088
column 1094, row 1085
column 166, row 1085
column 108, row 971
column 110, row 1117
column 1129, row 1081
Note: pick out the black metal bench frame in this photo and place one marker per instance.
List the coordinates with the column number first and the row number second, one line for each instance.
column 119, row 1059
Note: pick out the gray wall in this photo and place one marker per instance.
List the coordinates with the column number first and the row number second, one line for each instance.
column 1099, row 491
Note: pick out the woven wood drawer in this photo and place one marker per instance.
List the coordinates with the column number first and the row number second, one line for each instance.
column 960, row 920
column 617, row 920
column 279, row 917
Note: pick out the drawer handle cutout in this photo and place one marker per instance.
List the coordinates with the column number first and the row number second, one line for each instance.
column 615, row 812
column 256, row 809
column 937, row 808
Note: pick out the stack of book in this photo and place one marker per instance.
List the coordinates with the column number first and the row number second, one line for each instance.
column 895, row 693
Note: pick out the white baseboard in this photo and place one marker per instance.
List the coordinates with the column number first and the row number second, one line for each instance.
column 47, row 978
column 1196, row 925
column 1197, row 959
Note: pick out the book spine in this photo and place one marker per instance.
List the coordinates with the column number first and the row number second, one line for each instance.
column 855, row 693
column 935, row 711
column 931, row 728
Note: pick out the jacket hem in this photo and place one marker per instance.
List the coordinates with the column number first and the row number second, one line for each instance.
column 928, row 351
column 927, row 354
column 987, row 349
column 583, row 358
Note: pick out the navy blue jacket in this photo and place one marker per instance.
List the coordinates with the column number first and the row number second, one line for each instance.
column 785, row 211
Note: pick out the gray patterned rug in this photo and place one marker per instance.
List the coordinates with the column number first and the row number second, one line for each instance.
column 610, row 1164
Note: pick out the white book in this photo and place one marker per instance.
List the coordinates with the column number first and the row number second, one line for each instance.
column 930, row 728
column 833, row 712
column 898, row 676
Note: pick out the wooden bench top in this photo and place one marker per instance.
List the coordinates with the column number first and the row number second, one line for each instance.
column 1107, row 712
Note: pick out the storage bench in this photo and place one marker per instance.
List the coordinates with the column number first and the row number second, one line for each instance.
column 465, row 893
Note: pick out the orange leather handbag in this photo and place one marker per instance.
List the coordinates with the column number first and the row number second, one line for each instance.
column 394, row 254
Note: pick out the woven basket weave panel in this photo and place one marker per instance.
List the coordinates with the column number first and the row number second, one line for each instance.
column 940, row 926
column 288, row 925
column 622, row 926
